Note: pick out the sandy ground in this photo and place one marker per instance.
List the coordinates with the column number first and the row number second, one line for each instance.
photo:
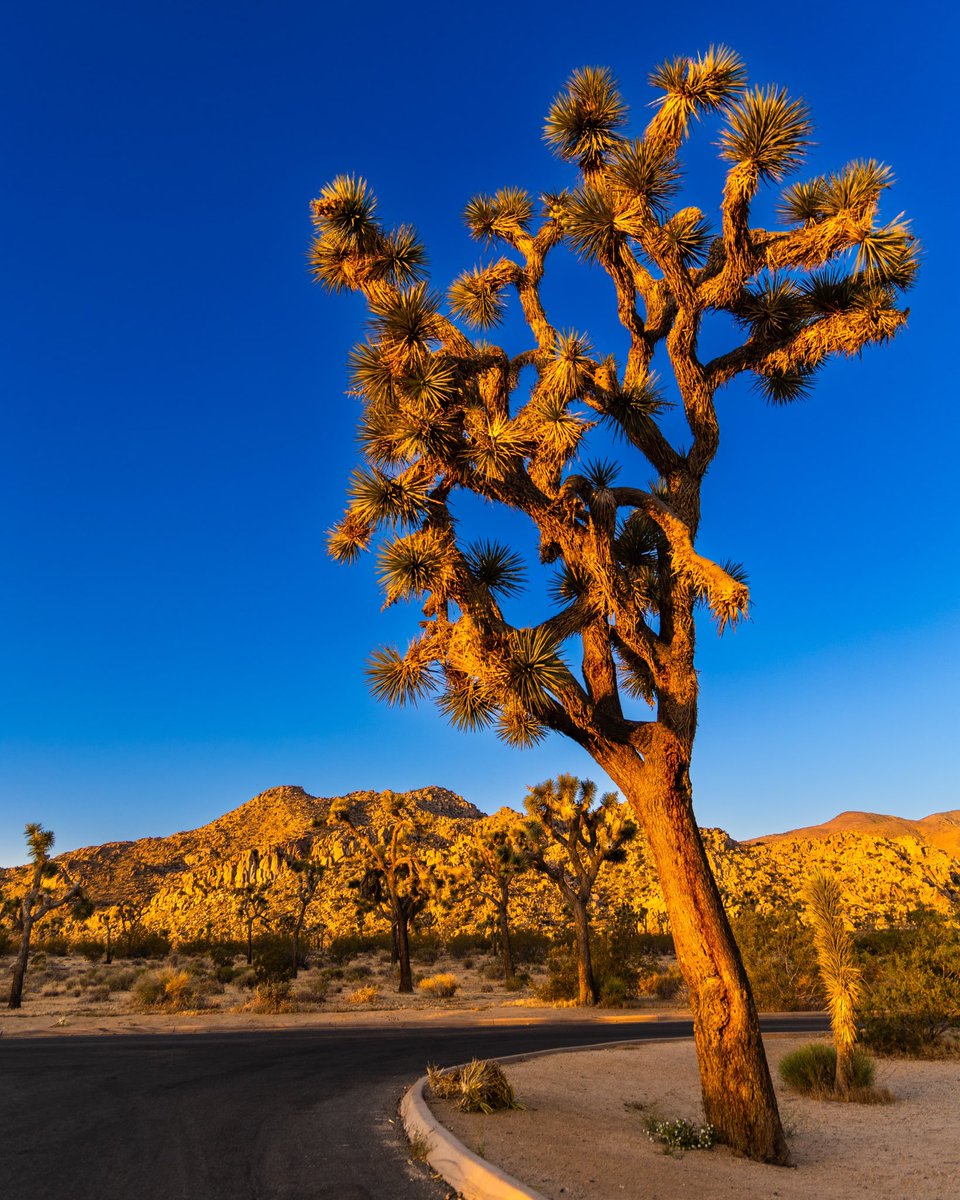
column 578, row 1140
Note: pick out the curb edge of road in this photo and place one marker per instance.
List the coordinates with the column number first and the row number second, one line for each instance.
column 473, row 1177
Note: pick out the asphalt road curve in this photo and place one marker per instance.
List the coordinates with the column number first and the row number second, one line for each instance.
column 277, row 1115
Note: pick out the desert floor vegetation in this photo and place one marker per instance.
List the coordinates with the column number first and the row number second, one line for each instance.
column 350, row 974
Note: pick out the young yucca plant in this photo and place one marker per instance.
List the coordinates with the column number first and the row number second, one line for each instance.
column 480, row 1086
column 841, row 977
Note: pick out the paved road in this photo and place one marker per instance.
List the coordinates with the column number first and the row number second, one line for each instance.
column 278, row 1115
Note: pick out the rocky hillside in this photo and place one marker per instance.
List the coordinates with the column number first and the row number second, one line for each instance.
column 184, row 884
column 939, row 829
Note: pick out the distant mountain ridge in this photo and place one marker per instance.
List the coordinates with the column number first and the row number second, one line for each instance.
column 184, row 884
column 938, row 829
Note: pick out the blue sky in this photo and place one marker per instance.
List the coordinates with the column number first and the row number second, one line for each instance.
column 175, row 440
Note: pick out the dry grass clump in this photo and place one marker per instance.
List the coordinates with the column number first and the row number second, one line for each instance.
column 812, row 1069
column 166, row 989
column 441, row 985
column 364, row 995
column 480, row 1086
column 273, row 997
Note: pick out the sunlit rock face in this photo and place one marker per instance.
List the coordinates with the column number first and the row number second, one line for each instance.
column 184, row 884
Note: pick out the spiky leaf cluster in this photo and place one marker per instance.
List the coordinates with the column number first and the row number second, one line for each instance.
column 444, row 413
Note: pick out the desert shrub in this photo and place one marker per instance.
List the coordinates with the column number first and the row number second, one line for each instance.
column 493, row 970
column 679, row 1134
column 271, row 997
column 529, row 945
column 441, row 986
column 425, row 948
column 92, row 949
column 368, row 994
column 662, row 984
column 520, row 980
column 272, row 960
column 620, row 960
column 164, row 989
column 8, row 943
column 812, row 1069
column 245, row 978
column 222, row 954
column 465, row 945
column 912, row 994
column 342, row 949
column 355, row 973
column 780, row 960
column 99, row 992
column 120, row 981
column 659, row 944
column 54, row 944
column 312, row 991
column 480, row 1086
column 224, row 973
column 143, row 945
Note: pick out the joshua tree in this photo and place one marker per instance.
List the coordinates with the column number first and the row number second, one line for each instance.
column 251, row 902
column 308, row 872
column 105, row 921
column 839, row 973
column 390, row 849
column 492, row 859
column 445, row 414
column 569, row 838
column 50, row 887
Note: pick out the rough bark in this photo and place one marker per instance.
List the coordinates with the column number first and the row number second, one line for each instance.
column 403, row 952
column 20, row 966
column 503, row 924
column 738, row 1096
column 585, row 980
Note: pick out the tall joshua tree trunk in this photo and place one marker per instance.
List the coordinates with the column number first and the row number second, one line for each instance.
column 581, row 926
column 503, row 929
column 738, row 1096
column 403, row 950
column 20, row 966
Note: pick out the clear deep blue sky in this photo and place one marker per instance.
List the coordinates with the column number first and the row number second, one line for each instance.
column 175, row 440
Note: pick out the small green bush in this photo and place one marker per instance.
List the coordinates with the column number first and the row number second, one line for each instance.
column 465, row 945
column 811, row 1069
column 680, row 1134
column 92, row 949
column 529, row 945
column 342, row 949
column 272, row 960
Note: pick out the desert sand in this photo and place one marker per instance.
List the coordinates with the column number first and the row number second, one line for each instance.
column 578, row 1140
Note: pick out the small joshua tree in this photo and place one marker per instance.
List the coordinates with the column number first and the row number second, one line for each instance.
column 50, row 888
column 839, row 973
column 492, row 860
column 251, row 902
column 308, row 872
column 388, row 843
column 569, row 838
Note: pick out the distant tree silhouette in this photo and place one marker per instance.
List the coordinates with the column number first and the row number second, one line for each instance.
column 50, row 888
column 446, row 413
column 251, row 903
column 309, row 872
column 569, row 838
column 388, row 844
